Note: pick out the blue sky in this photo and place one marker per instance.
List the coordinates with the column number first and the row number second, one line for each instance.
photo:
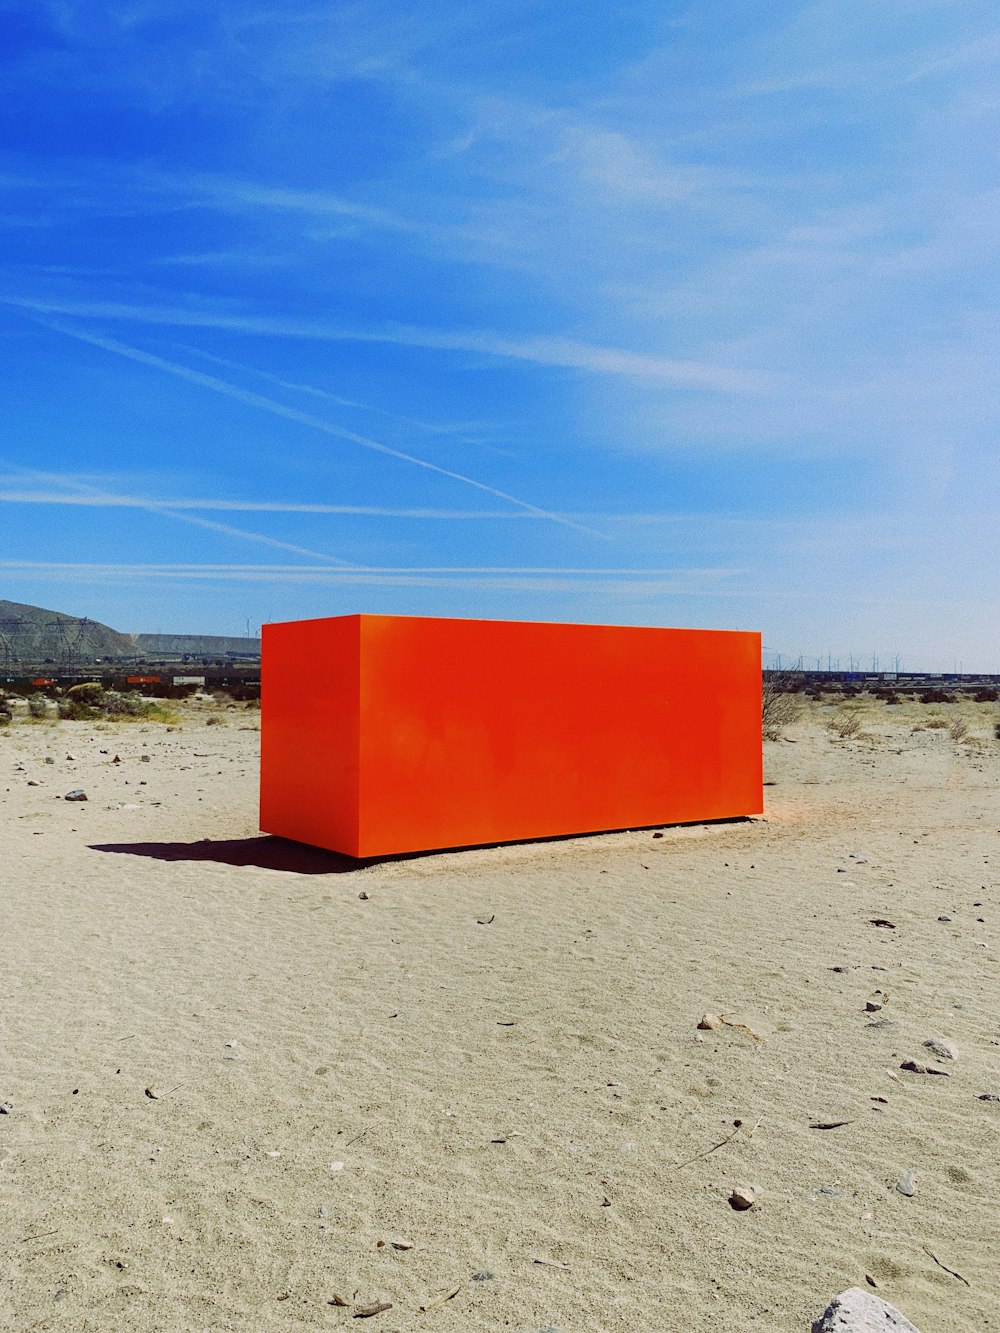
column 655, row 313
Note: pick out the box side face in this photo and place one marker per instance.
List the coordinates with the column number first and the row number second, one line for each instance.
column 487, row 731
column 309, row 732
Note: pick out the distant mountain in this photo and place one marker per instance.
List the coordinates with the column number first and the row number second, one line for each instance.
column 34, row 635
column 195, row 645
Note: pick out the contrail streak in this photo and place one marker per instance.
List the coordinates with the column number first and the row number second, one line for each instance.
column 293, row 414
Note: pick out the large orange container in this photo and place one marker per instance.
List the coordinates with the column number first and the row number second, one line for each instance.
column 385, row 734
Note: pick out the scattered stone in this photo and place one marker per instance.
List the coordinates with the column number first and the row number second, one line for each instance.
column 881, row 1025
column 983, row 1097
column 144, row 759
column 915, row 1067
column 33, row 783
column 363, row 896
column 483, row 1275
column 709, row 1022
column 657, row 835
column 70, row 757
column 50, row 760
column 882, row 921
column 324, row 1212
column 907, row 1184
column 858, row 1311
column 152, row 1094
column 117, row 759
column 831, row 1190
column 741, row 1199
column 872, row 1006
column 366, row 1311
column 401, row 1244
column 840, row 969
column 942, row 1047
column 944, row 918
column 7, row 1108
column 77, row 794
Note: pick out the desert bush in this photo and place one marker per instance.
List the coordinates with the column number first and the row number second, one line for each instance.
column 845, row 723
column 936, row 697
column 38, row 705
column 87, row 693
column 936, row 724
column 986, row 696
column 214, row 722
column 779, row 706
column 996, row 730
column 959, row 729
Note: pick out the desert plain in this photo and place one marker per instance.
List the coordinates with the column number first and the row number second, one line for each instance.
column 250, row 1085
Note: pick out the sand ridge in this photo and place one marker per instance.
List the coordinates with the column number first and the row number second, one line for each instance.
column 493, row 1055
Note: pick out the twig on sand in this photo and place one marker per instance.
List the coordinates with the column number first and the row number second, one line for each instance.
column 358, row 1136
column 436, row 1301
column 945, row 1267
column 714, row 1148
column 42, row 1234
column 549, row 1263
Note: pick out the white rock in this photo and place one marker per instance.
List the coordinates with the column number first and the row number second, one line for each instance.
column 943, row 1048
column 857, row 1311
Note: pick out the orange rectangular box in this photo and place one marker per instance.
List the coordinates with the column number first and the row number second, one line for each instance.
column 388, row 734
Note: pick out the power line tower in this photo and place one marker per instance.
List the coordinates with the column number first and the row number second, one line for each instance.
column 11, row 629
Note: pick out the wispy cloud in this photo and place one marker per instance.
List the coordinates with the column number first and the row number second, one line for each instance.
column 680, row 582
column 302, row 418
column 545, row 350
column 105, row 500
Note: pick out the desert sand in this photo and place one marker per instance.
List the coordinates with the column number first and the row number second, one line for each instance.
column 237, row 1070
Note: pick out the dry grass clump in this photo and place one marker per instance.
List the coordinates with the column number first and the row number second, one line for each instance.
column 937, row 724
column 845, row 723
column 779, row 706
column 959, row 729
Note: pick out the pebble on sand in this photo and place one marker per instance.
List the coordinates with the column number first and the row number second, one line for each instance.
column 943, row 1047
column 858, row 1311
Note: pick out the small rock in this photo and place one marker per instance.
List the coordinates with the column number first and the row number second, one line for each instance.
column 907, row 1184
column 881, row 1025
column 363, row 896
column 50, row 760
column 915, row 1067
column 657, row 835
column 708, row 1022
column 872, row 1006
column 33, row 783
column 830, row 1189
column 484, row 1275
column 944, row 918
column 942, row 1047
column 323, row 1210
column 144, row 759
column 71, row 758
column 741, row 1199
column 77, row 794
column 840, row 969
column 7, row 1108
column 983, row 1097
column 858, row 1311
column 401, row 1244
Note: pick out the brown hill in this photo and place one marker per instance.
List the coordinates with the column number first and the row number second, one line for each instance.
column 32, row 635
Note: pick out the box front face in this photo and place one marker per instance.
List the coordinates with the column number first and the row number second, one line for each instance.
column 309, row 732
column 486, row 731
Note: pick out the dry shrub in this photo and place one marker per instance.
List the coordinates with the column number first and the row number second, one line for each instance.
column 845, row 723
column 779, row 706
column 937, row 724
column 959, row 729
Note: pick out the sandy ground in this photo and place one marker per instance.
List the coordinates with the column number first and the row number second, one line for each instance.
column 493, row 1055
